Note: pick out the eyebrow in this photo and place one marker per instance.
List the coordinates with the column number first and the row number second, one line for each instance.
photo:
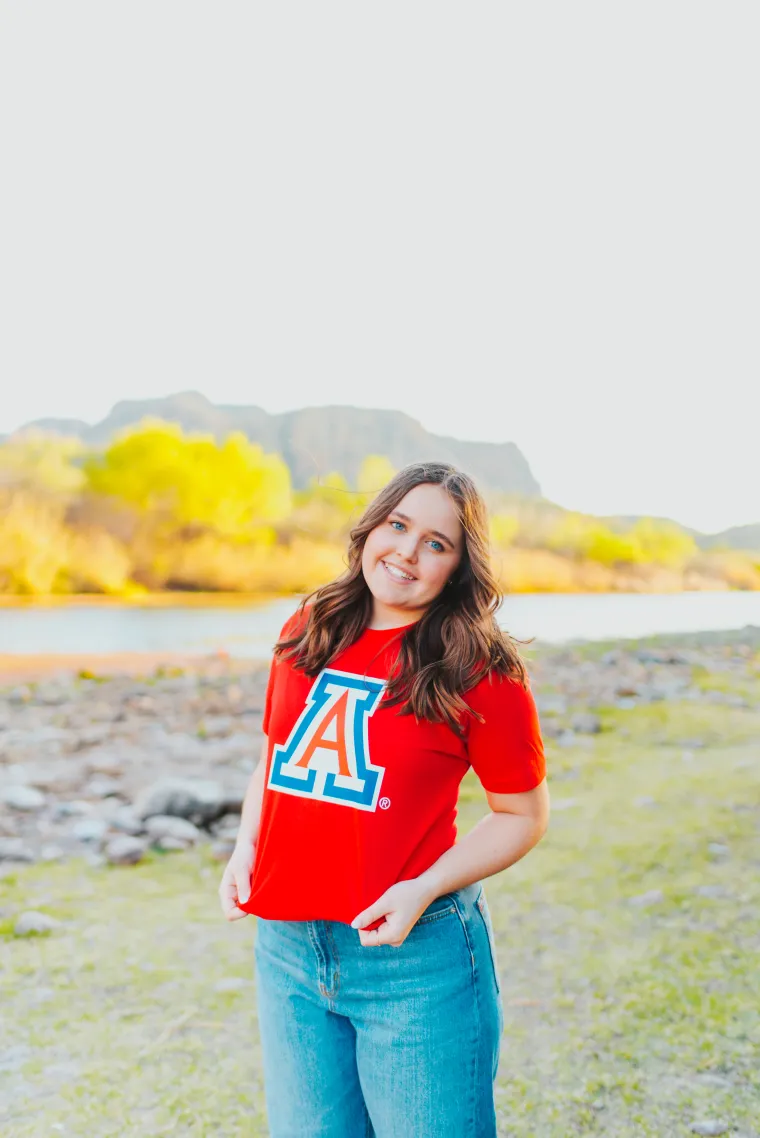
column 435, row 532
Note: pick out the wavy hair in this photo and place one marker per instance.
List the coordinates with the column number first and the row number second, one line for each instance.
column 456, row 641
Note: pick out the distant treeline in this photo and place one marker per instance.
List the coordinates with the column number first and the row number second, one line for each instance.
column 158, row 510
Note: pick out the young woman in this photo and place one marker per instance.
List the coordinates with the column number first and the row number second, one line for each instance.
column 378, row 989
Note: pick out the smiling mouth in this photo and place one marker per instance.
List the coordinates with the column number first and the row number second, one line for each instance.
column 395, row 573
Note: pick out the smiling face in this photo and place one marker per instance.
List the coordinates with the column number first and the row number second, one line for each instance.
column 410, row 556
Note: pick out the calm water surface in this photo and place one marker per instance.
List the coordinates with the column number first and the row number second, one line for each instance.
column 251, row 631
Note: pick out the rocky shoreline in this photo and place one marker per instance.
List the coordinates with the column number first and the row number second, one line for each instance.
column 107, row 766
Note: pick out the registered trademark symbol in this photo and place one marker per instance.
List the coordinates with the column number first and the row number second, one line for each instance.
column 384, row 803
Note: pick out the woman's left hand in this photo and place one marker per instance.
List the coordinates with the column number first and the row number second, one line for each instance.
column 401, row 905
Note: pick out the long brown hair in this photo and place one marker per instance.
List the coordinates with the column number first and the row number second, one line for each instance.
column 456, row 641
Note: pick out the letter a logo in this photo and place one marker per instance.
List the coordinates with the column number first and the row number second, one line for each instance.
column 327, row 755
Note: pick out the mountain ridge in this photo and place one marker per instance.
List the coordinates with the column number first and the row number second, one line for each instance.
column 314, row 441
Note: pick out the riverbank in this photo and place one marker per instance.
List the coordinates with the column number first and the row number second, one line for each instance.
column 33, row 667
column 626, row 942
column 86, row 738
column 183, row 599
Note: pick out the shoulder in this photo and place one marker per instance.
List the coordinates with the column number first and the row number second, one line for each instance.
column 503, row 720
column 503, row 735
column 499, row 684
column 498, row 692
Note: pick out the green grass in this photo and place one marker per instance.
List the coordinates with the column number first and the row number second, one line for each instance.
column 619, row 1020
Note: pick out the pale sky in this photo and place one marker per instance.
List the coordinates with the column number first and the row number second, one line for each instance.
column 527, row 222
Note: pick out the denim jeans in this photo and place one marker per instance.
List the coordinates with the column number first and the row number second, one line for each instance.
column 381, row 1042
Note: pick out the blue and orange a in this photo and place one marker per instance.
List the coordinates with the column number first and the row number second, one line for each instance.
column 326, row 755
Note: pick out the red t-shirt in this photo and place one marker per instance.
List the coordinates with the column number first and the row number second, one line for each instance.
column 357, row 796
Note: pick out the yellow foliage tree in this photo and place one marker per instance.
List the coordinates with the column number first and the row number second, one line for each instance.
column 584, row 538
column 42, row 461
column 231, row 487
column 570, row 535
column 504, row 530
column 663, row 543
column 647, row 543
column 34, row 543
column 609, row 548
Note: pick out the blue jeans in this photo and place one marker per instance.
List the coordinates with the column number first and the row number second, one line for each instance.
column 381, row 1042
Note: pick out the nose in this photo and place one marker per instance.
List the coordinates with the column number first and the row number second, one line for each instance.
column 406, row 547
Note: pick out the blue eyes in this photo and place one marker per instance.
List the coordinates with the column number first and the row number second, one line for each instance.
column 435, row 545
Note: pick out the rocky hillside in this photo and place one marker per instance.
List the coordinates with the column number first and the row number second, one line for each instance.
column 738, row 537
column 316, row 440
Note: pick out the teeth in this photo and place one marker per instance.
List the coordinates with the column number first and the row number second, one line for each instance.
column 394, row 572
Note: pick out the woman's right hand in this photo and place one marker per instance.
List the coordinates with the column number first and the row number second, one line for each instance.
column 236, row 881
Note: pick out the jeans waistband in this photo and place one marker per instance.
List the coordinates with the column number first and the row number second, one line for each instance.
column 466, row 897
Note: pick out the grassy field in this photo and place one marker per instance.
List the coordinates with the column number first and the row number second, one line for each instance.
column 628, row 944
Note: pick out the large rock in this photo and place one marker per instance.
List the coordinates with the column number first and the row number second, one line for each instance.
column 169, row 844
column 126, row 821
column 105, row 763
column 90, row 829
column 34, row 922
column 19, row 695
column 228, row 821
column 644, row 900
column 75, row 808
column 102, row 786
column 58, row 777
column 22, row 798
column 13, row 849
column 200, row 800
column 51, row 693
column 162, row 826
column 93, row 735
column 712, row 891
column 124, row 850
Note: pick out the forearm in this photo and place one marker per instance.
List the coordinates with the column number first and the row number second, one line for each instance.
column 496, row 842
column 250, row 815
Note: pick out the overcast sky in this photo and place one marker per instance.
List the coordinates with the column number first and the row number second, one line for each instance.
column 536, row 222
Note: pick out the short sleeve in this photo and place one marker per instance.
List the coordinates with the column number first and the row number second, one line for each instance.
column 287, row 629
column 506, row 750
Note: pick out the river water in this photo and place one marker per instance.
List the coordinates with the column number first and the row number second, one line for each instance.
column 250, row 630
